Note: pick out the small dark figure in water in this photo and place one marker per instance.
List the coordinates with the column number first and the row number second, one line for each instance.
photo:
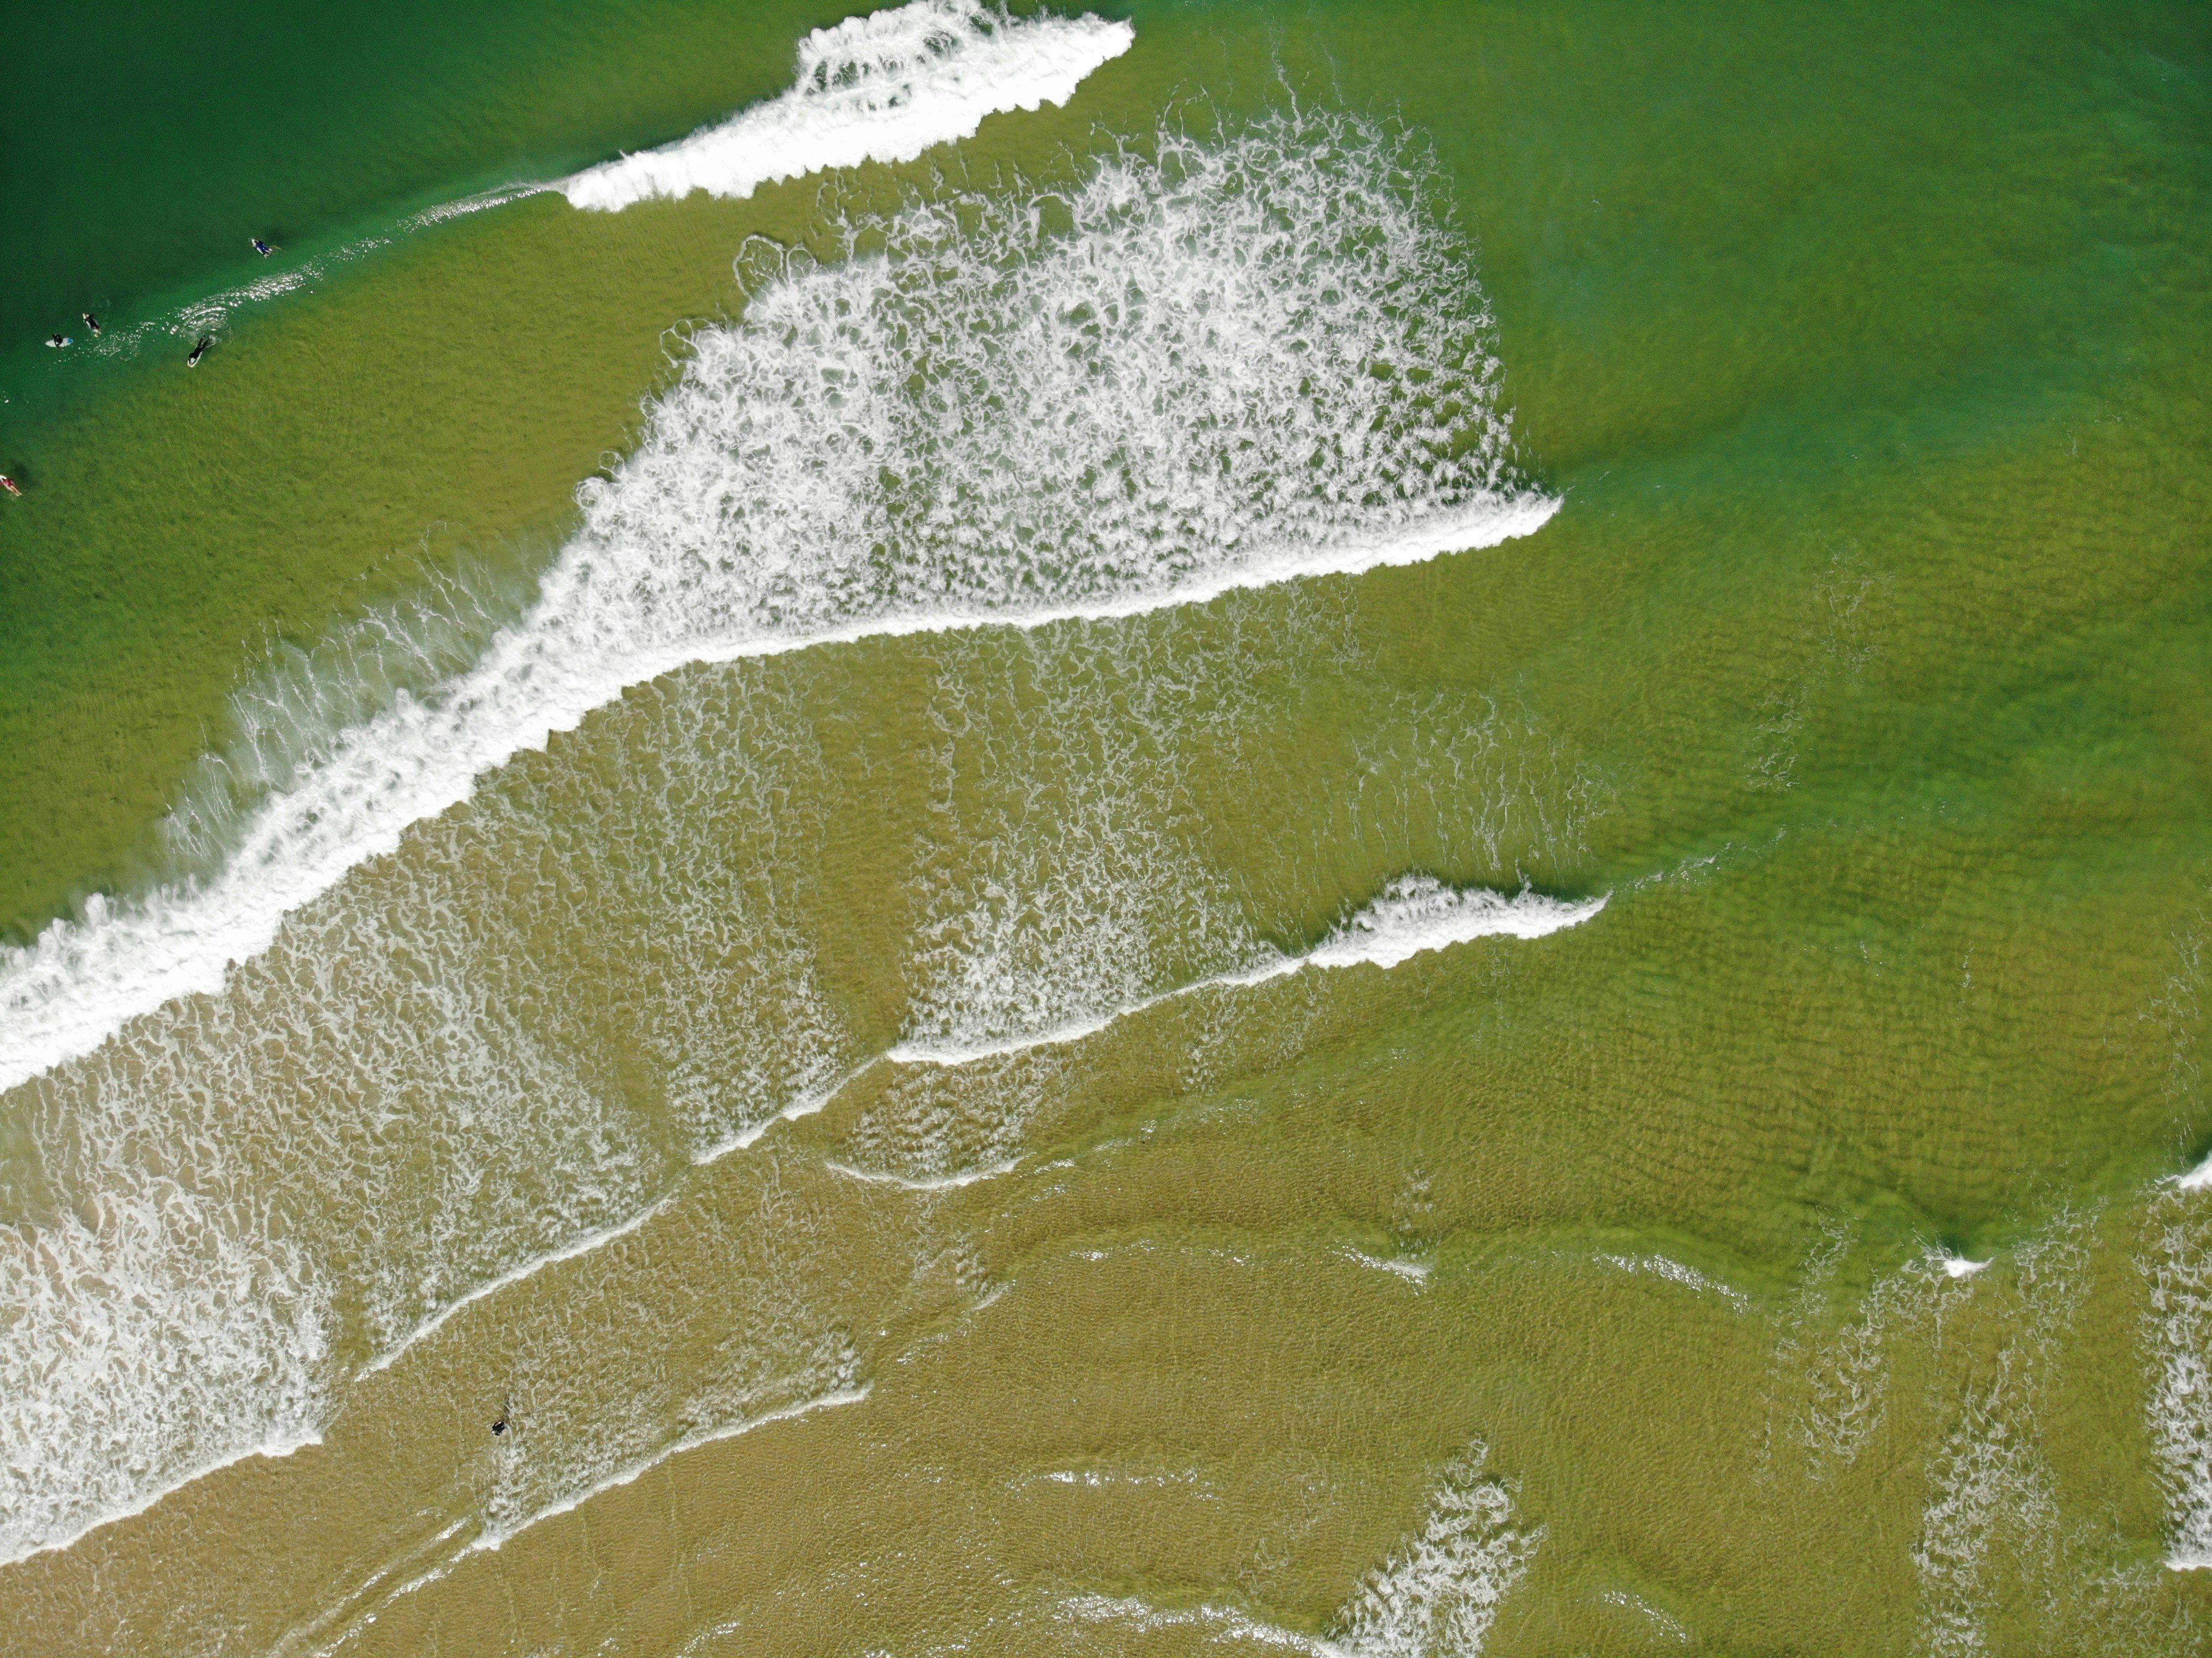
column 9, row 484
column 93, row 323
column 58, row 340
column 199, row 351
column 262, row 247
column 500, row 1426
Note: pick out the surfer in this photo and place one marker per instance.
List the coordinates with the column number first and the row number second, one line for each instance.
column 59, row 340
column 199, row 351
column 9, row 484
column 93, row 323
column 262, row 247
column 498, row 1424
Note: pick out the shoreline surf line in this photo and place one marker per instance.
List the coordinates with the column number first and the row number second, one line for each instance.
column 134, row 958
column 491, row 1541
column 274, row 1449
column 883, row 87
column 933, row 1183
column 596, row 1239
column 363, row 1616
column 316, row 1627
column 1526, row 915
column 1523, row 915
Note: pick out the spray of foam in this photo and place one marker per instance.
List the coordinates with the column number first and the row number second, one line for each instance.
column 1992, row 1511
column 398, row 1109
column 883, row 87
column 1438, row 1594
column 2179, row 1336
column 1218, row 365
column 230, row 1315
column 1415, row 913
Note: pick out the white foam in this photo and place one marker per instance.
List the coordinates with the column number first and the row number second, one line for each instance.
column 1418, row 913
column 1220, row 1623
column 934, row 1183
column 2178, row 1334
column 883, row 87
column 1676, row 1272
column 1187, row 394
column 1438, row 1593
column 1413, row 1272
column 1959, row 1267
column 273, row 1449
column 1441, row 1590
column 499, row 1537
column 158, row 1283
column 1415, row 915
column 597, row 1238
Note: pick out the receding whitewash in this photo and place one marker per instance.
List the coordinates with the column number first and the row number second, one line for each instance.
column 2178, row 1342
column 1418, row 913
column 1413, row 1272
column 1189, row 382
column 497, row 1537
column 1674, row 1272
column 1438, row 1593
column 163, row 1283
column 1415, row 915
column 883, row 87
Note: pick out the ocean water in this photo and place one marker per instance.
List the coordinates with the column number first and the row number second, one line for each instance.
column 1378, row 829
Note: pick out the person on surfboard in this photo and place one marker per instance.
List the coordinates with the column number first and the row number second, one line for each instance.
column 262, row 247
column 93, row 323
column 59, row 340
column 199, row 351
column 9, row 484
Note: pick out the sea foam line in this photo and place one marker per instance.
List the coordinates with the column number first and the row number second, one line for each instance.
column 691, row 1441
column 272, row 1448
column 1189, row 377
column 82, row 980
column 883, row 87
column 1416, row 913
column 596, row 1239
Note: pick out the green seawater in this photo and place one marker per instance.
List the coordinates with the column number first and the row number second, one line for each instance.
column 1604, row 1293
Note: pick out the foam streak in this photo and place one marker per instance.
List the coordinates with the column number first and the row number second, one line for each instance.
column 883, row 87
column 1416, row 913
column 1194, row 393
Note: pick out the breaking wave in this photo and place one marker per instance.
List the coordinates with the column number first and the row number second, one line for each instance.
column 1416, row 913
column 883, row 87
column 1199, row 366
column 1210, row 366
column 1438, row 1593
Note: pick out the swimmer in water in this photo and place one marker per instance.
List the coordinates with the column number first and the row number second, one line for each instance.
column 9, row 484
column 199, row 351
column 59, row 340
column 93, row 323
column 262, row 247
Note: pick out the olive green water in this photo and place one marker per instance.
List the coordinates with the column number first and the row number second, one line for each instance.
column 1863, row 666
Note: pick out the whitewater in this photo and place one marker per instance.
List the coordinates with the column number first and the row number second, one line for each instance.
column 1202, row 362
column 1244, row 363
column 883, row 87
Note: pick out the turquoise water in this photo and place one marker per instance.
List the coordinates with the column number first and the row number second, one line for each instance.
column 1395, row 844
